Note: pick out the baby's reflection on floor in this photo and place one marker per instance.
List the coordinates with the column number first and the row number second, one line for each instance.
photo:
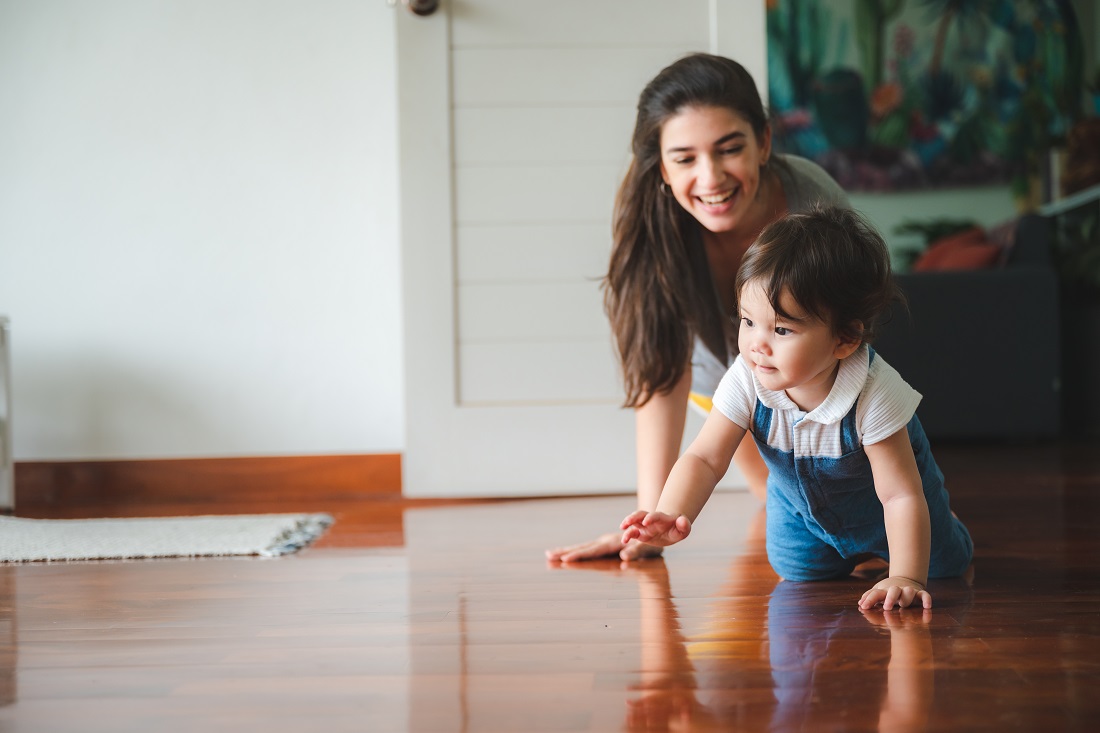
column 774, row 663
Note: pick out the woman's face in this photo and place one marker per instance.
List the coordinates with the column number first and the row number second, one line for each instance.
column 710, row 159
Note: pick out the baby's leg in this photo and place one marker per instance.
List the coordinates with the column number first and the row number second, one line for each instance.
column 952, row 548
column 795, row 553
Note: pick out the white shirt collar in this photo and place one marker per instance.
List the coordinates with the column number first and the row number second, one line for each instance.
column 850, row 380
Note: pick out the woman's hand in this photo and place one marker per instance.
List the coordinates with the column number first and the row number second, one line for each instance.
column 895, row 590
column 655, row 528
column 606, row 545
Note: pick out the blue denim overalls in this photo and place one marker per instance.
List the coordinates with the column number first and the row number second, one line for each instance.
column 823, row 512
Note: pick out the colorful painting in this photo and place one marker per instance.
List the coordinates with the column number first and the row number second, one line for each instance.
column 894, row 95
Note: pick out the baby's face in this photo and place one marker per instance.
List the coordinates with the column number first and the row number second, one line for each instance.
column 796, row 355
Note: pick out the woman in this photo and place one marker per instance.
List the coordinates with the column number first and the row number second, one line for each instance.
column 702, row 184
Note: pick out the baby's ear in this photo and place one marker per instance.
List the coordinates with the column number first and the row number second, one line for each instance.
column 845, row 344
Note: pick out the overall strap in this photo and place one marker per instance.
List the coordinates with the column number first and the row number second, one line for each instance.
column 849, row 436
column 761, row 421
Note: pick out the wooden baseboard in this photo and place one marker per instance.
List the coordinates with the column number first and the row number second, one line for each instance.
column 205, row 480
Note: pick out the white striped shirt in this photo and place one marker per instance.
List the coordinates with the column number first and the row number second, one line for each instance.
column 886, row 404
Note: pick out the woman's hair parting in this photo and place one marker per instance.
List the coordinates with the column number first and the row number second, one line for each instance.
column 834, row 264
column 658, row 292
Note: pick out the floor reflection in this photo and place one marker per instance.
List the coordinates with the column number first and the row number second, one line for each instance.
column 780, row 662
column 668, row 691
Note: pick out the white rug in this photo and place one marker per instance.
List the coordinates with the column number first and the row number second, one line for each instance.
column 268, row 535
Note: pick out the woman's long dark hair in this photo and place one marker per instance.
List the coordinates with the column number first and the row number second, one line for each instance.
column 658, row 291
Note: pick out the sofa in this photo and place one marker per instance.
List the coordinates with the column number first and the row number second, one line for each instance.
column 983, row 345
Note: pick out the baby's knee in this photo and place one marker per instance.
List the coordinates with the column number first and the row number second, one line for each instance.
column 951, row 557
column 790, row 566
column 951, row 565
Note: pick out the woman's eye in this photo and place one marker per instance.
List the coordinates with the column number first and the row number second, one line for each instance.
column 734, row 150
column 683, row 161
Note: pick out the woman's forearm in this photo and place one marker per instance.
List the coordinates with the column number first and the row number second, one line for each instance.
column 659, row 432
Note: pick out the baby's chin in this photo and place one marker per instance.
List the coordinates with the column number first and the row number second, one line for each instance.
column 770, row 379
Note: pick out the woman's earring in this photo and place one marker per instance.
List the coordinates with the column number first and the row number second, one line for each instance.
column 664, row 189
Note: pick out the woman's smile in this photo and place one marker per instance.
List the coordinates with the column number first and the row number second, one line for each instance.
column 715, row 199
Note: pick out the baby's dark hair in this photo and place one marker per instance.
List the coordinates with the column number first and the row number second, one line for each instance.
column 832, row 262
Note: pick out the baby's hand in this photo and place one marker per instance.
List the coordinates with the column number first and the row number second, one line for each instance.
column 895, row 589
column 655, row 528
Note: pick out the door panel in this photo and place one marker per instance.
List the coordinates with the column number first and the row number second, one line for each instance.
column 525, row 252
column 532, row 374
column 540, row 135
column 555, row 76
column 540, row 311
column 571, row 23
column 535, row 194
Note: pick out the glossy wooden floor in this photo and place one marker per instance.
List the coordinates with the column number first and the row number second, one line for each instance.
column 439, row 618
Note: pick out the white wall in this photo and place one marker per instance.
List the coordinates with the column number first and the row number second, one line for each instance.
column 198, row 227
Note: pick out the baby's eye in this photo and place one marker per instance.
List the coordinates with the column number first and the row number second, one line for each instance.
column 747, row 322
column 780, row 331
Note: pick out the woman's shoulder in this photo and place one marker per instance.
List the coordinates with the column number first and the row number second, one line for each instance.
column 806, row 183
column 804, row 168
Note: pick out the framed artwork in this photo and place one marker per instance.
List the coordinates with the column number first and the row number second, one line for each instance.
column 891, row 95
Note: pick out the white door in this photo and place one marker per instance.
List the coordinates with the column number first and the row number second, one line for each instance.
column 514, row 123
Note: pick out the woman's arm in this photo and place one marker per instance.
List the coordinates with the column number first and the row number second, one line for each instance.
column 658, row 433
column 908, row 530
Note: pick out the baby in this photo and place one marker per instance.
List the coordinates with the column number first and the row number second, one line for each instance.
column 851, row 475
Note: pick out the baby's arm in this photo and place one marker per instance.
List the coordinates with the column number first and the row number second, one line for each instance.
column 908, row 531
column 689, row 485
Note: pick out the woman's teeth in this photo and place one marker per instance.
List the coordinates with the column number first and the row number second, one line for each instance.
column 718, row 198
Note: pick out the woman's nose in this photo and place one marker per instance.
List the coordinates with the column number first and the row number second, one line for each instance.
column 712, row 172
